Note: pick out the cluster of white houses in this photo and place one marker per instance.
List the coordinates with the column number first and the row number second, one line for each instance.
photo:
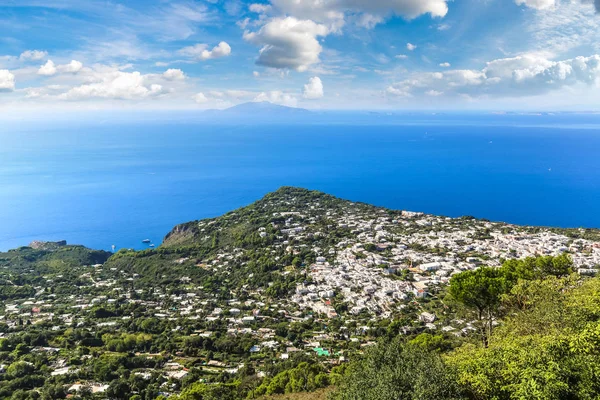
column 364, row 269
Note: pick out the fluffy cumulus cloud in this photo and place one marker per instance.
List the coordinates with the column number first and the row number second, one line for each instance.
column 33, row 55
column 370, row 12
column 201, row 51
column 7, row 81
column 288, row 43
column 50, row 69
column 277, row 97
column 524, row 75
column 200, row 98
column 73, row 67
column 259, row 8
column 313, row 89
column 115, row 85
column 410, row 47
column 47, row 69
column 173, row 74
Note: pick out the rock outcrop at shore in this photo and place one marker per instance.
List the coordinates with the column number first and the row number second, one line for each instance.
column 41, row 245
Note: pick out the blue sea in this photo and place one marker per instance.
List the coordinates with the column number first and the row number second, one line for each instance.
column 100, row 182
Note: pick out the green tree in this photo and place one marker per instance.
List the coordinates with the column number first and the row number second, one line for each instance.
column 481, row 291
column 538, row 267
column 431, row 342
column 398, row 371
column 546, row 350
column 20, row 369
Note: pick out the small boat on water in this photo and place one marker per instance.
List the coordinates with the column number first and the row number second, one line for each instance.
column 152, row 245
column 146, row 241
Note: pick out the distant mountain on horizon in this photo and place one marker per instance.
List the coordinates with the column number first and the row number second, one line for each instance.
column 257, row 108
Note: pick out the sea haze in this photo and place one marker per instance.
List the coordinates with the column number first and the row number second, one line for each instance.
column 118, row 183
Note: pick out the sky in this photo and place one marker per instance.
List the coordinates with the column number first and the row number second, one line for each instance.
column 507, row 55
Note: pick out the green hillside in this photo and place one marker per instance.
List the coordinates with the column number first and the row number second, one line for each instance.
column 302, row 295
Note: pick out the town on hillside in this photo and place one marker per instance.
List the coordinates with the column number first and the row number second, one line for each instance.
column 299, row 279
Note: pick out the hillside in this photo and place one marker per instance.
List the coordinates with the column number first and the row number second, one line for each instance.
column 301, row 292
column 295, row 235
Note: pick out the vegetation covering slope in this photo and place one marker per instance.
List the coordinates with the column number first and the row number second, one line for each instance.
column 227, row 308
column 545, row 346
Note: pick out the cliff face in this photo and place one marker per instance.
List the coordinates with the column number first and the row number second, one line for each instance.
column 40, row 245
column 245, row 220
column 181, row 234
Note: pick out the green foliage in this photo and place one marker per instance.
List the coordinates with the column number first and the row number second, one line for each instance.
column 306, row 377
column 201, row 391
column 398, row 371
column 431, row 342
column 547, row 350
column 127, row 342
column 479, row 289
column 120, row 323
column 19, row 369
column 538, row 267
column 483, row 290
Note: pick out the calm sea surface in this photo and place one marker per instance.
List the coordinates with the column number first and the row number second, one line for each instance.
column 120, row 183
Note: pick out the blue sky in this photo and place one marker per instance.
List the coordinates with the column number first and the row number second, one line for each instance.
column 320, row 54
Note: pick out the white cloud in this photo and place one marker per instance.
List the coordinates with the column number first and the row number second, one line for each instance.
column 231, row 94
column 410, row 46
column 201, row 52
column 369, row 20
column 232, row 8
column 370, row 12
column 445, row 65
column 7, row 81
column 238, row 94
column 313, row 89
column 73, row 67
column 571, row 25
column 288, row 43
column 33, row 55
column 243, row 24
column 259, row 8
column 47, row 69
column 401, row 56
column 200, row 98
column 115, row 85
column 173, row 74
column 397, row 91
column 256, row 74
column 277, row 97
column 433, row 93
column 525, row 75
column 167, row 21
column 50, row 69
column 33, row 93
column 537, row 4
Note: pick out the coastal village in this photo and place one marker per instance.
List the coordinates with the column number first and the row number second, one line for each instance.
column 347, row 265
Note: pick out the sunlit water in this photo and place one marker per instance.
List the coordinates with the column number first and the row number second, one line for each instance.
column 120, row 183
